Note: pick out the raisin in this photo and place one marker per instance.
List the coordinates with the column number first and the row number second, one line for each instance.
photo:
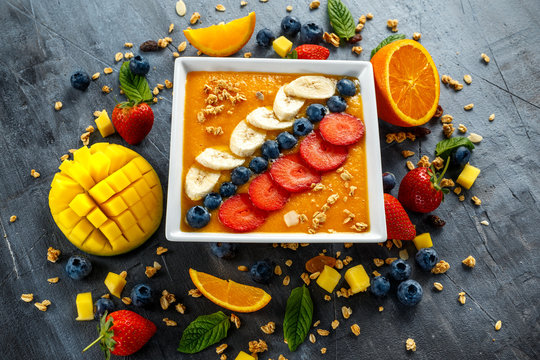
column 439, row 112
column 149, row 45
column 356, row 38
column 436, row 221
column 317, row 263
column 419, row 131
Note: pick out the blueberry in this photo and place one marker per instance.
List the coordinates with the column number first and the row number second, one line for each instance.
column 261, row 272
column 316, row 112
column 80, row 80
column 311, row 33
column 101, row 306
column 336, row 104
column 426, row 258
column 400, row 270
column 379, row 286
column 409, row 293
column 258, row 164
column 197, row 217
column 286, row 140
column 302, row 127
column 212, row 201
column 461, row 156
column 270, row 149
column 78, row 267
column 346, row 87
column 227, row 189
column 139, row 65
column 142, row 295
column 290, row 26
column 223, row 250
column 240, row 175
column 265, row 37
column 388, row 181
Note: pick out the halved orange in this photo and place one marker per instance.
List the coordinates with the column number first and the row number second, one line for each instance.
column 222, row 39
column 229, row 294
column 406, row 83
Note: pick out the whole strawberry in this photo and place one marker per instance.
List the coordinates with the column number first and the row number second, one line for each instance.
column 312, row 52
column 123, row 333
column 133, row 122
column 398, row 224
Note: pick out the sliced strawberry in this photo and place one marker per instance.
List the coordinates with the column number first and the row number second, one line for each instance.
column 320, row 154
column 341, row 129
column 239, row 214
column 292, row 174
column 266, row 194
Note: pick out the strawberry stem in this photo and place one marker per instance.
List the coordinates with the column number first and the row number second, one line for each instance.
column 444, row 171
column 94, row 342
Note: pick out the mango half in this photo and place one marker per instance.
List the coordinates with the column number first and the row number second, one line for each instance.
column 107, row 200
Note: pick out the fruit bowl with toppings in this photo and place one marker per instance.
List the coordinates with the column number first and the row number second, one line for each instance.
column 267, row 150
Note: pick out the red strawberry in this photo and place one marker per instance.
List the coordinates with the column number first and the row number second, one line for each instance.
column 398, row 224
column 239, row 213
column 321, row 155
column 312, row 52
column 133, row 123
column 341, row 129
column 123, row 333
column 266, row 194
column 292, row 174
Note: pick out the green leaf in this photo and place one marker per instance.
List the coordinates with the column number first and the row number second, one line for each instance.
column 387, row 41
column 341, row 19
column 444, row 148
column 204, row 331
column 135, row 87
column 298, row 317
column 292, row 55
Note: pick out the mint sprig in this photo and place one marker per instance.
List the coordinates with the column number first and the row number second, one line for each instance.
column 445, row 147
column 204, row 331
column 341, row 19
column 387, row 41
column 135, row 87
column 298, row 317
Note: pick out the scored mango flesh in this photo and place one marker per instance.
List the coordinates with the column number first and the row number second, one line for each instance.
column 107, row 200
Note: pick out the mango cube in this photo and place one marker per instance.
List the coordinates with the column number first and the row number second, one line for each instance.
column 114, row 206
column 82, row 204
column 282, row 46
column 357, row 278
column 468, row 176
column 99, row 166
column 115, row 283
column 104, row 124
column 68, row 218
column 95, row 242
column 423, row 241
column 96, row 217
column 243, row 356
column 110, row 230
column 134, row 233
column 117, row 156
column 132, row 171
column 141, row 187
column 118, row 181
column 125, row 220
column 85, row 306
column 78, row 172
column 130, row 196
column 142, row 164
column 139, row 210
column 101, row 192
column 82, row 156
column 81, row 231
column 328, row 279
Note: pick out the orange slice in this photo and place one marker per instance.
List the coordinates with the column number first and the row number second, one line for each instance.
column 406, row 83
column 223, row 39
column 229, row 294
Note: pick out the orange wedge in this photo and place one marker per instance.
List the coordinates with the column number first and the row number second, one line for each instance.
column 229, row 294
column 223, row 39
column 406, row 83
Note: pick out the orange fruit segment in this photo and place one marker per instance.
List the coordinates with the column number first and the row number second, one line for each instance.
column 406, row 83
column 223, row 39
column 229, row 294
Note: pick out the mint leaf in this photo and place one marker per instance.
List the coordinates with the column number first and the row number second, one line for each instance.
column 204, row 331
column 135, row 87
column 298, row 317
column 387, row 41
column 444, row 148
column 292, row 55
column 341, row 19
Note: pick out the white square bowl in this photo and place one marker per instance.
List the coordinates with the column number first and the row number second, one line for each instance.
column 361, row 70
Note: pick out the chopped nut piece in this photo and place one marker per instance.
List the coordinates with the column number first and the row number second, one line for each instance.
column 403, row 254
column 476, row 201
column 416, row 36
column 243, row 3
column 316, row 323
column 171, row 28
column 181, row 308
column 96, row 76
column 327, row 298
column 461, row 298
column 410, row 165
column 220, row 7
column 128, row 45
column 468, row 79
column 53, row 254
column 438, row 163
column 323, row 332
column 57, row 105
column 269, row 328
column 447, row 119
column 410, row 344
column 475, row 138
column 155, row 91
column 335, row 324
column 41, row 305
column 314, row 4
column 289, row 8
column 359, row 27
column 348, row 245
column 339, row 264
column 355, row 329
column 470, row 261
column 169, row 322
column 462, row 128
column 357, row 50
column 107, row 70
column 126, row 300
column 161, row 250
column 376, row 273
column 286, row 280
column 441, row 267
column 346, row 312
column 407, row 153
column 12, row 218
column 289, row 262
column 242, row 268
column 247, row 55
column 194, row 18
column 315, row 275
column 331, row 39
column 447, row 183
column 168, row 84
column 485, row 58
column 34, row 173
column 423, row 162
column 390, row 260
column 221, row 348
column 27, row 297
column 257, row 346
column 381, row 309
column 196, row 293
column 369, row 16
column 461, row 198
column 235, row 320
column 448, row 130
column 106, row 89
column 378, row 262
column 498, row 325
column 457, row 190
column 277, row 270
column 484, row 222
column 390, row 23
column 491, row 117
column 438, row 286
column 305, row 278
column 157, row 265
column 345, row 175
column 150, row 271
column 468, row 106
column 312, row 338
column 90, row 129
column 118, row 56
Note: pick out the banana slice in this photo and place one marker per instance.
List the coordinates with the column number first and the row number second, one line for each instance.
column 264, row 118
column 245, row 140
column 286, row 107
column 311, row 87
column 200, row 182
column 218, row 160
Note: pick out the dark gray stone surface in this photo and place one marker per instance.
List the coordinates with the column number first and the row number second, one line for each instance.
column 44, row 41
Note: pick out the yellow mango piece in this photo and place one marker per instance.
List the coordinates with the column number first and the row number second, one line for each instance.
column 82, row 156
column 85, row 306
column 120, row 243
column 328, row 279
column 139, row 210
column 143, row 165
column 82, row 204
column 114, row 206
column 130, row 196
column 118, row 181
column 151, row 178
column 110, row 230
column 97, row 147
column 78, row 172
column 117, row 157
column 146, row 223
column 99, row 166
column 56, row 205
column 65, row 188
column 149, row 202
column 243, row 356
column 81, row 231
column 132, row 171
column 125, row 220
column 101, row 192
column 282, row 46
column 68, row 218
column 357, row 278
column 141, row 187
column 115, row 283
column 134, row 234
column 104, row 124
column 423, row 241
column 468, row 176
column 96, row 217
column 95, row 242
